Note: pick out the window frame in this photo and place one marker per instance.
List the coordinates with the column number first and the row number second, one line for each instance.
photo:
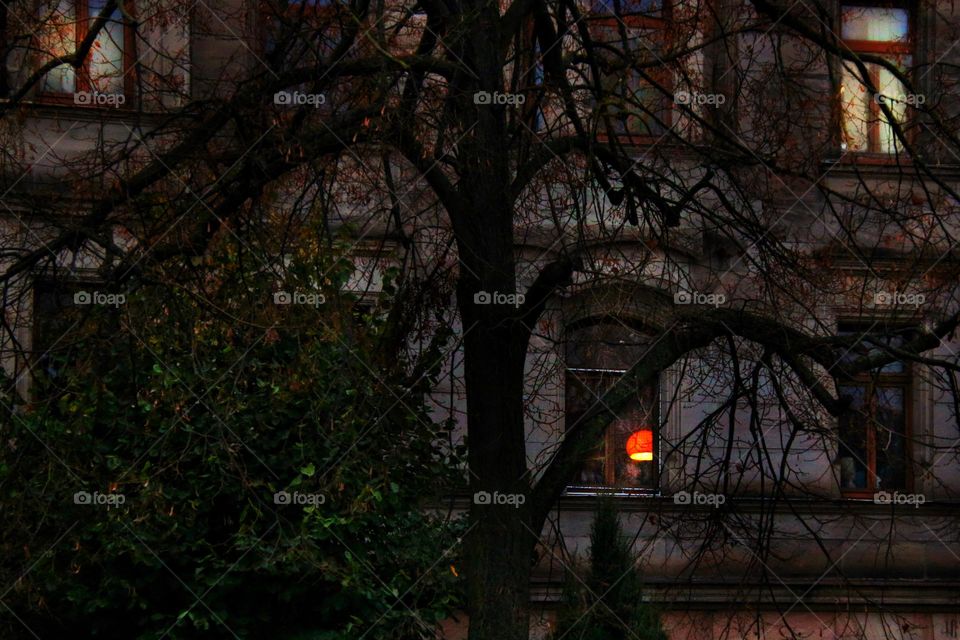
column 659, row 25
column 582, row 376
column 881, row 48
column 870, row 381
column 82, row 77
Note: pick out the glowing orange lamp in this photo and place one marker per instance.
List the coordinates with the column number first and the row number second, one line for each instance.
column 640, row 445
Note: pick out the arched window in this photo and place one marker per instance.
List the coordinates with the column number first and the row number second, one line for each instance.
column 597, row 354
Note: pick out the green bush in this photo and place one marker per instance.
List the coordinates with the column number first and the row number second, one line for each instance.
column 608, row 604
column 197, row 413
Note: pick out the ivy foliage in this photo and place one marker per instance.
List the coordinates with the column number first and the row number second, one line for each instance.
column 250, row 469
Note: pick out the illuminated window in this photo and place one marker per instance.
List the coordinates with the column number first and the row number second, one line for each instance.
column 877, row 31
column 597, row 356
column 874, row 431
column 66, row 24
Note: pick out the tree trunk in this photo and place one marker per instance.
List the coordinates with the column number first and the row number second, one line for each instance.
column 498, row 580
column 500, row 543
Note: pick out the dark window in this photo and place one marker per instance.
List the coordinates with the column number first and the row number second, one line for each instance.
column 66, row 319
column 874, row 431
column 629, row 38
column 56, row 323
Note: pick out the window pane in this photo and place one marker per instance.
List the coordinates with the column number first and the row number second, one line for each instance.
column 636, row 106
column 580, row 397
column 891, row 438
column 853, row 440
column 106, row 61
column 871, row 344
column 878, row 24
column 609, row 464
column 652, row 8
column 856, row 110
column 609, row 345
column 640, row 413
column 895, row 98
column 58, row 38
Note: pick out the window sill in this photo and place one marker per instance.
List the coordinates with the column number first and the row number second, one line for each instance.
column 70, row 98
column 869, row 159
column 630, row 20
column 593, row 491
column 47, row 107
column 631, row 140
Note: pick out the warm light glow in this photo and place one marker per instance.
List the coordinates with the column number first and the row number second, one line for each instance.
column 640, row 446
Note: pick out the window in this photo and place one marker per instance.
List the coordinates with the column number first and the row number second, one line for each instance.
column 878, row 31
column 533, row 79
column 627, row 36
column 106, row 69
column 305, row 30
column 597, row 355
column 874, row 431
column 633, row 12
column 56, row 324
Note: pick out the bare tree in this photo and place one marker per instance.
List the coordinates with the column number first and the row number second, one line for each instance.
column 618, row 160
